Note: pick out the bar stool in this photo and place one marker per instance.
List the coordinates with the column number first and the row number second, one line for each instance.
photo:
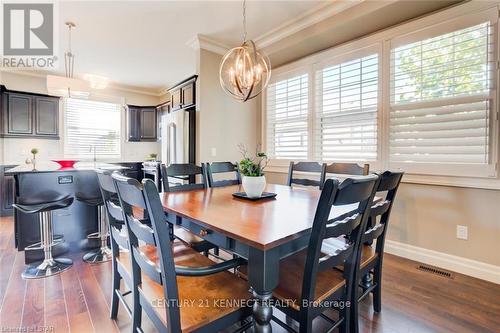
column 43, row 205
column 104, row 252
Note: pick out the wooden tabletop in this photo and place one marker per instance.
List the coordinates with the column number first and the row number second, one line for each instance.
column 262, row 224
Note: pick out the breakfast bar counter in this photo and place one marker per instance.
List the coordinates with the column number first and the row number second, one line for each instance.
column 73, row 223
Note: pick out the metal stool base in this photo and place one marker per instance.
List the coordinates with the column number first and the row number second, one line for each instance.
column 47, row 268
column 98, row 256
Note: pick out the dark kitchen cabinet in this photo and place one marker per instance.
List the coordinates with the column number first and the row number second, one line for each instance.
column 29, row 115
column 46, row 116
column 142, row 123
column 188, row 95
column 19, row 109
column 6, row 191
column 183, row 95
column 148, row 124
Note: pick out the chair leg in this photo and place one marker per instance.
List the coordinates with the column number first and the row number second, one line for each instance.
column 216, row 251
column 377, row 291
column 114, row 297
column 305, row 326
column 137, row 313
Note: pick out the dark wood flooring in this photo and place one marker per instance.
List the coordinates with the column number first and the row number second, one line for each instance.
column 78, row 299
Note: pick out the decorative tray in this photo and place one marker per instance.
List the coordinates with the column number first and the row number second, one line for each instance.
column 265, row 195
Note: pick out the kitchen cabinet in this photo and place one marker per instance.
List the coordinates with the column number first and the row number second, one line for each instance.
column 29, row 115
column 161, row 110
column 142, row 123
column 183, row 94
column 6, row 191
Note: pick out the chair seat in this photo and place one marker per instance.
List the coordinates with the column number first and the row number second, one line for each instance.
column 43, row 203
column 291, row 276
column 368, row 254
column 202, row 299
column 91, row 200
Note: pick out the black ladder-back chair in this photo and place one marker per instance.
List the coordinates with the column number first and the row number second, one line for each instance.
column 185, row 172
column 313, row 167
column 222, row 167
column 314, row 268
column 348, row 169
column 370, row 262
column 159, row 281
column 118, row 240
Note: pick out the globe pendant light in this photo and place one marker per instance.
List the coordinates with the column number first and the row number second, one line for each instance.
column 244, row 71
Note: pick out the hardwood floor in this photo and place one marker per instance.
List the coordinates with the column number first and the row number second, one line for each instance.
column 78, row 299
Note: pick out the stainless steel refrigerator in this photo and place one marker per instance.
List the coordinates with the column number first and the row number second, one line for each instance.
column 178, row 137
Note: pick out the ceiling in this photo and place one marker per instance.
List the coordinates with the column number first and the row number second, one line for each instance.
column 146, row 43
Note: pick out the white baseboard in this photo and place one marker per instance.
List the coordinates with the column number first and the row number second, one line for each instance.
column 449, row 262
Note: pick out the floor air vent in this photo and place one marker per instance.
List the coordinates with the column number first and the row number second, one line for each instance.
column 435, row 271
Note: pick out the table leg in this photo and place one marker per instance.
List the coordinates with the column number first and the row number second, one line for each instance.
column 263, row 277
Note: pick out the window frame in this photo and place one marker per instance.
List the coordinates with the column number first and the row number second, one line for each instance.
column 452, row 19
column 120, row 105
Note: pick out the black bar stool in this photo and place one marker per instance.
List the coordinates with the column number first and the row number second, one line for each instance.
column 43, row 204
column 94, row 198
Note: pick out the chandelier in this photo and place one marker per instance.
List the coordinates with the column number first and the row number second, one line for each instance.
column 244, row 71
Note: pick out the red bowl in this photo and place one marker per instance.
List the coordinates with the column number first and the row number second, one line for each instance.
column 65, row 163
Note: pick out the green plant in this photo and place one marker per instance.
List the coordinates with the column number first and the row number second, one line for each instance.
column 252, row 167
column 152, row 157
column 34, row 151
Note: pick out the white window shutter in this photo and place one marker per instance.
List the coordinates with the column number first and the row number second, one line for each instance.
column 287, row 115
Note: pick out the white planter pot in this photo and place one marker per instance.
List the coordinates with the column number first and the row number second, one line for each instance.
column 254, row 186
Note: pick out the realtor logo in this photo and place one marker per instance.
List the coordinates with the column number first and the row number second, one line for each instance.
column 28, row 29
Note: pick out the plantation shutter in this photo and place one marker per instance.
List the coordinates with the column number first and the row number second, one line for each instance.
column 441, row 96
column 287, row 114
column 346, row 111
column 90, row 124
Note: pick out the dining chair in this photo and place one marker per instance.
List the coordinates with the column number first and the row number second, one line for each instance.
column 309, row 277
column 185, row 176
column 311, row 167
column 222, row 167
column 348, row 169
column 371, row 257
column 179, row 289
column 118, row 240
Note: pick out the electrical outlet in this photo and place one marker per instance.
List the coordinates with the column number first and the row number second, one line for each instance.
column 214, row 152
column 462, row 232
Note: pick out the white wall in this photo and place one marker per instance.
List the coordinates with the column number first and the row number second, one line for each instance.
column 16, row 150
column 222, row 122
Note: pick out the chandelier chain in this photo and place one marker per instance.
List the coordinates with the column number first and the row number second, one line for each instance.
column 244, row 21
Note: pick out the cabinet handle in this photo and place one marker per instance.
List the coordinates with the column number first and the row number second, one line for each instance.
column 204, row 232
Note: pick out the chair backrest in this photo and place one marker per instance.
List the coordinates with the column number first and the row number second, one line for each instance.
column 389, row 183
column 222, row 167
column 348, row 169
column 134, row 194
column 183, row 172
column 113, row 211
column 312, row 167
column 359, row 193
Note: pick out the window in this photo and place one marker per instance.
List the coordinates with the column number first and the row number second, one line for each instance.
column 420, row 96
column 441, row 96
column 90, row 124
column 346, row 111
column 287, row 118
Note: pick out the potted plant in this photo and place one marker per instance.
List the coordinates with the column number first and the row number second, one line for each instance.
column 252, row 169
column 152, row 157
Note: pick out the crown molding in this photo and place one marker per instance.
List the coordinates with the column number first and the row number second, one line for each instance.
column 307, row 19
column 200, row 41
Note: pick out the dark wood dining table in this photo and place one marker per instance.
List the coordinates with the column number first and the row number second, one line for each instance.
column 263, row 231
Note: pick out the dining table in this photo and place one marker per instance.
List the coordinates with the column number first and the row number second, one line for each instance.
column 261, row 231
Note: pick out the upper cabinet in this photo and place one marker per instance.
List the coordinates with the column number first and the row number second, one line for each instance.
column 142, row 123
column 29, row 115
column 183, row 95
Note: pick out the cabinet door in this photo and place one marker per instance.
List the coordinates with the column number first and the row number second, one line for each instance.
column 176, row 100
column 188, row 95
column 8, row 192
column 134, row 124
column 19, row 114
column 148, row 124
column 47, row 116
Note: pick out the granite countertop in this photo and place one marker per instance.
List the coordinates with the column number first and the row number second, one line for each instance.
column 48, row 166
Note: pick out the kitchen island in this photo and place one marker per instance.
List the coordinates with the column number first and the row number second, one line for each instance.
column 73, row 223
